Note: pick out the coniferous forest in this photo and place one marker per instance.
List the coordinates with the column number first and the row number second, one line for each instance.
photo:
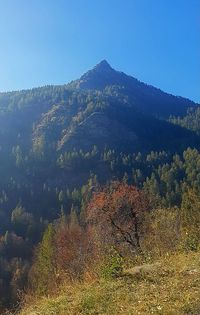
column 103, row 160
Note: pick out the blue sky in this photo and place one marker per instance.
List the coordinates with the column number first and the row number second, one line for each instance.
column 55, row 41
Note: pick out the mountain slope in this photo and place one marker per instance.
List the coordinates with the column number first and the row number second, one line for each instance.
column 170, row 287
column 131, row 109
column 105, row 108
column 145, row 97
column 65, row 117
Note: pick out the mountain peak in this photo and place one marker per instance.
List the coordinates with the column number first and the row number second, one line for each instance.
column 103, row 65
column 98, row 77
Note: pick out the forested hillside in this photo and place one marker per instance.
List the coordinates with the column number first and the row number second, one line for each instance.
column 60, row 144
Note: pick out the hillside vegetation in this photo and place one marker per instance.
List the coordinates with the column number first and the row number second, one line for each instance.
column 171, row 286
column 128, row 261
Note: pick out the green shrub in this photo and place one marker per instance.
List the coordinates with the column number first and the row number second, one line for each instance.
column 113, row 265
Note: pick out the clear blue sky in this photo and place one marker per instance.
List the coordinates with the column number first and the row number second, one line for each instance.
column 55, row 41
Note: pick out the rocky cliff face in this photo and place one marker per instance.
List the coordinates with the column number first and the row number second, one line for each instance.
column 100, row 130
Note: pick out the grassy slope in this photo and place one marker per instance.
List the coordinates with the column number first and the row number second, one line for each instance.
column 170, row 287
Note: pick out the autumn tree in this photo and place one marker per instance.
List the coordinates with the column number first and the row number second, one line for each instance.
column 117, row 213
column 71, row 243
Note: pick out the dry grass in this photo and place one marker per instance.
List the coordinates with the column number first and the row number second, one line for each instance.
column 169, row 287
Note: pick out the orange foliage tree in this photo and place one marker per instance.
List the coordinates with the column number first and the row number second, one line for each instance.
column 117, row 213
column 72, row 244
